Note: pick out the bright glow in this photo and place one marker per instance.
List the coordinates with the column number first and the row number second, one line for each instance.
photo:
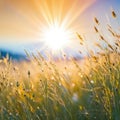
column 58, row 22
column 56, row 38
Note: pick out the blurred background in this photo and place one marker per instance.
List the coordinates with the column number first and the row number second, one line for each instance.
column 23, row 22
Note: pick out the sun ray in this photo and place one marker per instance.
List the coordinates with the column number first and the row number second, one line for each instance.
column 64, row 15
column 41, row 15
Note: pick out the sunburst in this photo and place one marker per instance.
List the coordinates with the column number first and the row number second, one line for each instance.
column 52, row 22
column 59, row 24
column 56, row 37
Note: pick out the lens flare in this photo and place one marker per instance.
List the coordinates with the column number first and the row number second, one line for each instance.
column 56, row 37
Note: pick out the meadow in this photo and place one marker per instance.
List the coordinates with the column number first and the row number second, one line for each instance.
column 87, row 89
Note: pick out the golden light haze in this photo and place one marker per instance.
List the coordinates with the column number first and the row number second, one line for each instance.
column 26, row 18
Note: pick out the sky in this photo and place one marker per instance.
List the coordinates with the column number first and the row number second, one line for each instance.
column 23, row 22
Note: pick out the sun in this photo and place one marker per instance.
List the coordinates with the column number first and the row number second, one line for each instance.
column 56, row 37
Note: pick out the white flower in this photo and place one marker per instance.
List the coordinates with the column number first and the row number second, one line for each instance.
column 75, row 97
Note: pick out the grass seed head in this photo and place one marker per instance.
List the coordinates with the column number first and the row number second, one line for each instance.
column 114, row 14
column 96, row 30
column 96, row 20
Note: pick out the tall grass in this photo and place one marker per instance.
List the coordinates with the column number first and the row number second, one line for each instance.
column 49, row 90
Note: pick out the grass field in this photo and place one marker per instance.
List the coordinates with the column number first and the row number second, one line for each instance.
column 87, row 89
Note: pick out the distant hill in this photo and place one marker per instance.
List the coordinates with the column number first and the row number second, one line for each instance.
column 12, row 55
column 21, row 56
